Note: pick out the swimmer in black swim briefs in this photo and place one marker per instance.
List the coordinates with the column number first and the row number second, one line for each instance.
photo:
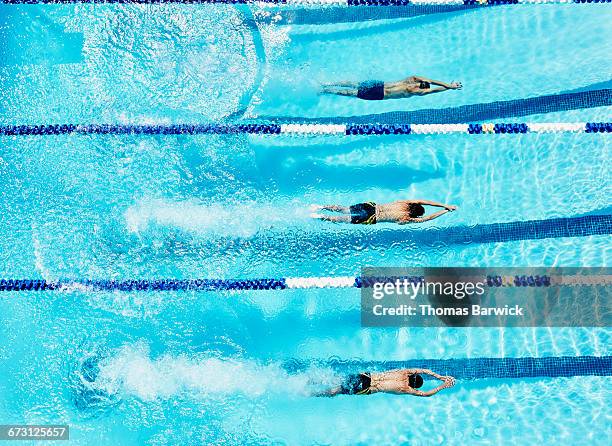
column 357, row 384
column 363, row 213
column 378, row 90
column 403, row 381
column 369, row 213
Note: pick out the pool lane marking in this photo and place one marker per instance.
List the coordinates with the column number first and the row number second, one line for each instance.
column 472, row 368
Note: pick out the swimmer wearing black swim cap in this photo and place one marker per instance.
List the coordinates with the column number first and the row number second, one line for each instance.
column 369, row 213
column 375, row 90
column 400, row 382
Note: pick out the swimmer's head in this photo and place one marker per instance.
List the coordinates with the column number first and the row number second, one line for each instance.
column 415, row 381
column 415, row 210
column 424, row 85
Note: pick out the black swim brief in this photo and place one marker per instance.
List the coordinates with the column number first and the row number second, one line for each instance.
column 371, row 90
column 363, row 213
column 357, row 384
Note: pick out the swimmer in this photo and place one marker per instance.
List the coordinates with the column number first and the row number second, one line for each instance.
column 379, row 90
column 401, row 382
column 401, row 211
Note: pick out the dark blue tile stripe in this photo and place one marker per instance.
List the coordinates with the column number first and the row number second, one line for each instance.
column 317, row 242
column 473, row 112
column 478, row 368
column 341, row 14
column 455, row 235
column 491, row 233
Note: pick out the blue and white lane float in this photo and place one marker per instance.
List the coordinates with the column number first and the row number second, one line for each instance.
column 300, row 129
column 284, row 283
column 315, row 2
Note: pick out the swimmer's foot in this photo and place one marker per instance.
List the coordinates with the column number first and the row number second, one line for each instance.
column 317, row 216
column 315, row 207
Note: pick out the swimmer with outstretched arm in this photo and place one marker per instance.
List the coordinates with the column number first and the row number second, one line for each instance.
column 401, row 212
column 400, row 382
column 379, row 90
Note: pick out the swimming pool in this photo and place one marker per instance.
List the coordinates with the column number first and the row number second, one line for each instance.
column 185, row 367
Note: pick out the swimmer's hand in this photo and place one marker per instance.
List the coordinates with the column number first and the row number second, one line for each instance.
column 456, row 85
column 450, row 207
column 449, row 381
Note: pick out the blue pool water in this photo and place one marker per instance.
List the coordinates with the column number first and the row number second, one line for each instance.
column 209, row 368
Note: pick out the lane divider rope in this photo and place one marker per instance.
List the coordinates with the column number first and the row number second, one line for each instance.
column 298, row 129
column 281, row 283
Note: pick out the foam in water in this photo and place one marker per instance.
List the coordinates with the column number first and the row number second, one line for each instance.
column 132, row 372
column 215, row 219
column 199, row 57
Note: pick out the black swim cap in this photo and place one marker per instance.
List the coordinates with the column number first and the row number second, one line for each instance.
column 415, row 381
column 415, row 210
column 423, row 85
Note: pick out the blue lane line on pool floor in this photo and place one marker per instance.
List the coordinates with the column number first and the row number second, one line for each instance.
column 334, row 14
column 477, row 368
column 513, row 231
column 384, row 123
column 437, row 236
column 473, row 112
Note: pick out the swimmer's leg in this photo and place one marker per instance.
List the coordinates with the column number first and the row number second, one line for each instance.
column 339, row 91
column 346, row 84
column 333, row 218
column 336, row 208
column 329, row 392
column 330, row 207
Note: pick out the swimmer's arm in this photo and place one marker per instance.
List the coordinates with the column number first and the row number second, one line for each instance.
column 416, row 392
column 425, row 372
column 448, row 207
column 447, row 381
column 430, row 91
column 428, row 392
column 423, row 219
column 434, row 82
column 429, row 203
